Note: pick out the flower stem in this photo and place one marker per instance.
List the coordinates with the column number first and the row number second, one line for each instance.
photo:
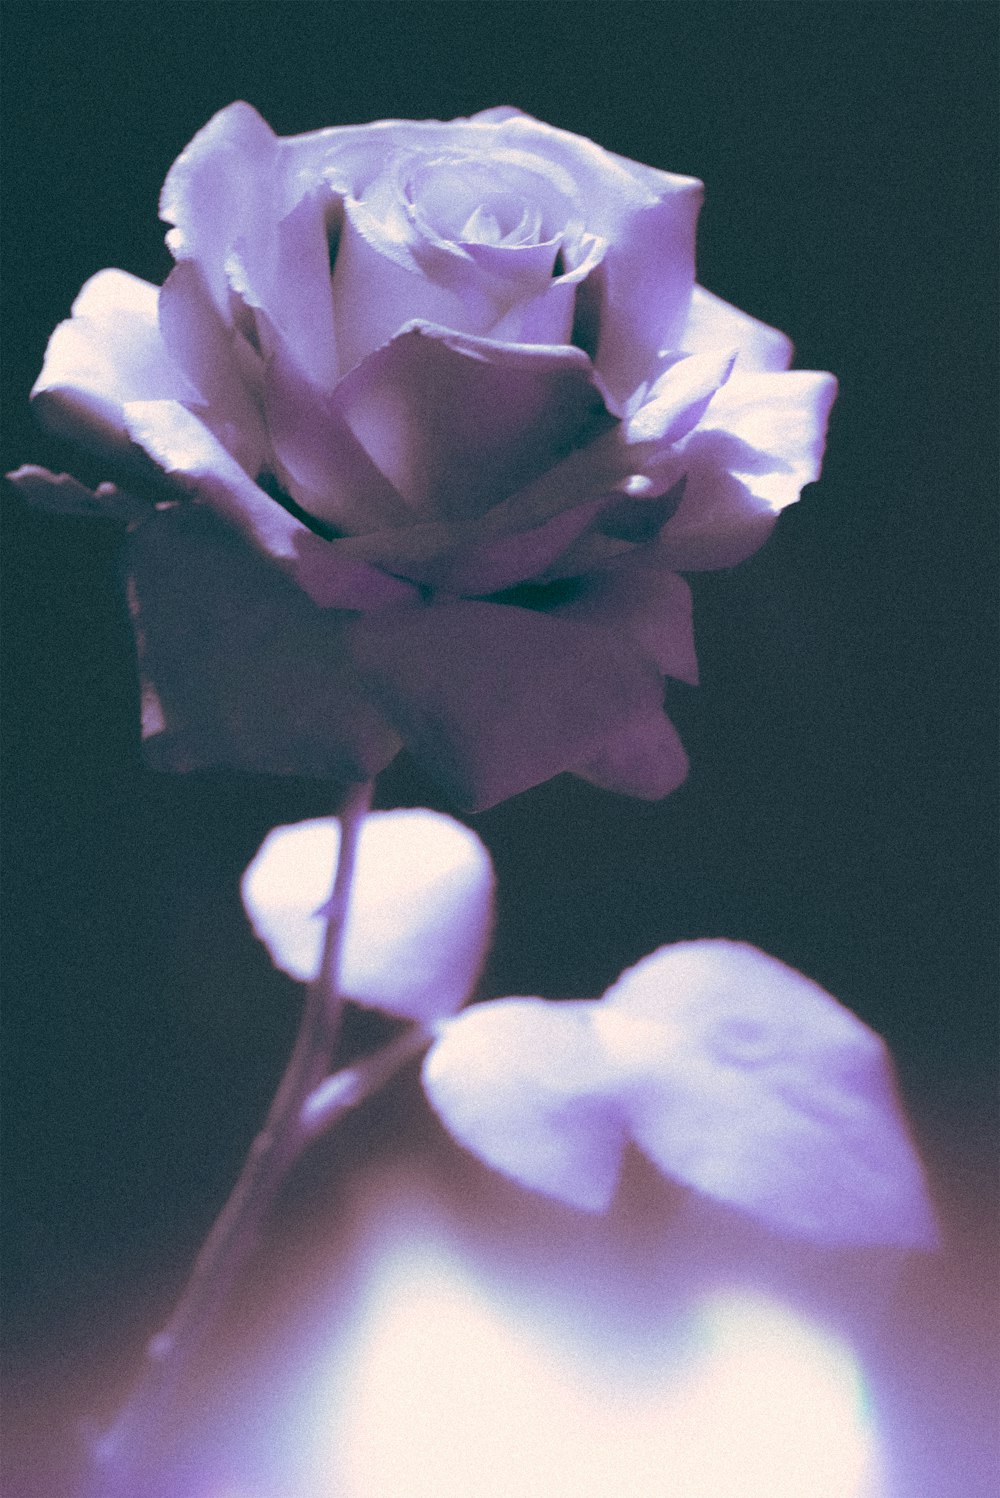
column 124, row 1459
column 338, row 1094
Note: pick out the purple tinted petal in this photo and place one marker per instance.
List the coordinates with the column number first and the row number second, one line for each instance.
column 647, row 603
column 179, row 443
column 60, row 494
column 239, row 668
column 760, row 441
column 494, row 699
column 479, row 568
column 521, row 1084
column 713, row 325
column 321, row 462
column 297, row 296
column 747, row 1081
column 644, row 287
column 374, row 295
column 637, row 456
column 677, row 400
column 420, row 916
column 204, row 347
column 644, row 758
column 544, row 318
column 459, row 423
column 108, row 353
column 220, row 188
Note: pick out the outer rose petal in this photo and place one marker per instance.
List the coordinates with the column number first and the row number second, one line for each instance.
column 489, row 553
column 520, row 1083
column 644, row 285
column 61, row 494
column 496, row 699
column 760, row 441
column 239, row 668
column 108, row 353
column 713, row 324
column 420, row 915
column 646, row 602
column 747, row 1081
column 321, row 463
column 282, row 271
column 644, row 758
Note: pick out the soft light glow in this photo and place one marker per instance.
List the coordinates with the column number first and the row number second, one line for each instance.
column 449, row 1392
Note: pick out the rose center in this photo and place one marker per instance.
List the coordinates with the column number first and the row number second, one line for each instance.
column 462, row 200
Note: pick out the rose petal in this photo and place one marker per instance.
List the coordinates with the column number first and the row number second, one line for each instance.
column 747, row 1081
column 487, row 553
column 284, row 272
column 205, row 348
column 759, row 442
column 61, row 494
column 546, row 318
column 482, row 567
column 459, row 423
column 494, row 699
column 108, row 353
column 420, row 914
column 642, row 599
column 239, row 668
column 713, row 325
column 221, row 187
column 643, row 758
column 647, row 218
column 644, row 285
column 520, row 1083
column 374, row 296
column 187, row 450
column 677, row 400
column 318, row 458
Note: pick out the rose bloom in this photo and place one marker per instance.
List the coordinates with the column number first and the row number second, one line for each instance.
column 418, row 435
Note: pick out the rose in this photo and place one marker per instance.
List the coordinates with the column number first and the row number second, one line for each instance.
column 471, row 460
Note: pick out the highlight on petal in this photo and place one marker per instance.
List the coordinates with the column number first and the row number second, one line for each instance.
column 760, row 441
column 281, row 271
column 374, row 295
column 678, row 398
column 420, row 916
column 109, row 352
column 644, row 286
column 520, row 1083
column 734, row 1074
column 219, row 363
column 713, row 325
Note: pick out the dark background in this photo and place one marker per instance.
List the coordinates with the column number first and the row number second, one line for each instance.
column 840, row 811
